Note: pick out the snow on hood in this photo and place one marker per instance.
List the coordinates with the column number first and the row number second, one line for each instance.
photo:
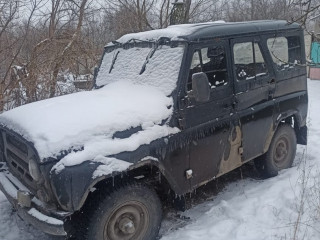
column 89, row 119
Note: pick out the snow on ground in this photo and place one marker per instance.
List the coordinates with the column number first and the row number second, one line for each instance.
column 13, row 228
column 250, row 209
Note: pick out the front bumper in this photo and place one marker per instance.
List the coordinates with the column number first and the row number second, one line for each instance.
column 38, row 214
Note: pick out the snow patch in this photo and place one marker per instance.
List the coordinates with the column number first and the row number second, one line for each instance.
column 106, row 145
column 8, row 186
column 35, row 213
column 109, row 166
column 149, row 158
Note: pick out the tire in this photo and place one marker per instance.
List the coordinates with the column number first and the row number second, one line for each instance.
column 281, row 153
column 131, row 212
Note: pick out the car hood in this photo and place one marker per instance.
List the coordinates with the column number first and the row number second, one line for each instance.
column 87, row 121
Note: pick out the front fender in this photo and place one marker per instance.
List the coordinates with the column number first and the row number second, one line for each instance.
column 72, row 183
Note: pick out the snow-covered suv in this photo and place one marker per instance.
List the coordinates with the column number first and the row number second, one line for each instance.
column 171, row 110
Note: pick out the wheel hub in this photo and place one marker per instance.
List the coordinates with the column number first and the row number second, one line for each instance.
column 281, row 152
column 126, row 225
column 128, row 222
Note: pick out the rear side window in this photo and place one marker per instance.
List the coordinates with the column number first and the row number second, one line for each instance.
column 248, row 60
column 285, row 51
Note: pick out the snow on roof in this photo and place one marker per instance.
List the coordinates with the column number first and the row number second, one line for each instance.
column 174, row 32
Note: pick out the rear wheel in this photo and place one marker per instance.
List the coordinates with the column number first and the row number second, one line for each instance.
column 131, row 212
column 281, row 153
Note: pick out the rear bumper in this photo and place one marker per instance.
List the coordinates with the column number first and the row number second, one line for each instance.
column 48, row 221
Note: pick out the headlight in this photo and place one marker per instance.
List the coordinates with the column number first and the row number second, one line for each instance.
column 34, row 170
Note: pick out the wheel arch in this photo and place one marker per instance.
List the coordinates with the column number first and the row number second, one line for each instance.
column 298, row 123
column 294, row 119
column 148, row 171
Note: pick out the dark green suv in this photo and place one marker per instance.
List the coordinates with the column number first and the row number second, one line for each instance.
column 171, row 110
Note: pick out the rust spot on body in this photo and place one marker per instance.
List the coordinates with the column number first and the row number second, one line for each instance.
column 268, row 139
column 231, row 158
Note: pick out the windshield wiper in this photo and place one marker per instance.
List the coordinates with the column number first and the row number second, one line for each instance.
column 116, row 43
column 113, row 61
column 161, row 41
column 147, row 58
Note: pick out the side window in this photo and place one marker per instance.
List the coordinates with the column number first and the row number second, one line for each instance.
column 260, row 66
column 195, row 64
column 211, row 61
column 285, row 51
column 248, row 61
column 194, row 68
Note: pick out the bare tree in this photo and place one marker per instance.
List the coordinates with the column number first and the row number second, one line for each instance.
column 241, row 10
column 45, row 42
column 130, row 15
column 62, row 56
column 13, row 42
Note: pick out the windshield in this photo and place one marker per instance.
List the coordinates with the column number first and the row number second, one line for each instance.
column 137, row 65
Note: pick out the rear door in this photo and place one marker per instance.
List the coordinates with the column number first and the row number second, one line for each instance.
column 254, row 86
column 288, row 58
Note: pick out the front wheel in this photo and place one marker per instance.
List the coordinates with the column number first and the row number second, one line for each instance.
column 131, row 212
column 281, row 153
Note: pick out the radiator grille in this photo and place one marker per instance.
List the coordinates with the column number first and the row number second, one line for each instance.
column 17, row 154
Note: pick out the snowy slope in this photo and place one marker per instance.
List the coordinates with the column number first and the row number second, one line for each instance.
column 246, row 209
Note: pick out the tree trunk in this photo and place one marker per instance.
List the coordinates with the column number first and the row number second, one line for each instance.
column 187, row 11
column 66, row 50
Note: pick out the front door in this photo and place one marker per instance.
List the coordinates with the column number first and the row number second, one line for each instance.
column 208, row 125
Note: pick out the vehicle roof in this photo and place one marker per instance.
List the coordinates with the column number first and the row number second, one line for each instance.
column 215, row 30
column 198, row 31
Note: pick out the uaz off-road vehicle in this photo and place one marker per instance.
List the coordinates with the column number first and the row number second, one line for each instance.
column 171, row 110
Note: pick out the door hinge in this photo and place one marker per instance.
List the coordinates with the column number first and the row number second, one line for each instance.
column 185, row 102
column 182, row 123
column 240, row 150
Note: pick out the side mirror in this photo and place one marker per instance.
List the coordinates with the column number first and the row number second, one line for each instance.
column 200, row 87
